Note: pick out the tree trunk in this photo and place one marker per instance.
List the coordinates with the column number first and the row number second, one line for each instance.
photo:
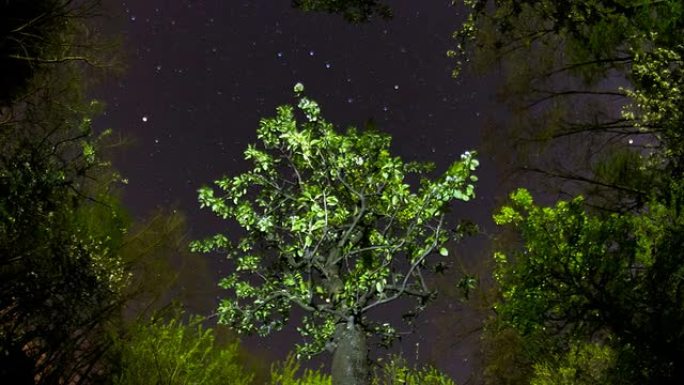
column 350, row 360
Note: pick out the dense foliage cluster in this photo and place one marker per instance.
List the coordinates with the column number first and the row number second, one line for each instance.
column 354, row 11
column 61, row 276
column 616, row 279
column 70, row 259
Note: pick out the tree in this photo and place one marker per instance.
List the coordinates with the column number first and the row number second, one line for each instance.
column 508, row 358
column 332, row 228
column 616, row 280
column 59, row 272
column 36, row 36
column 61, row 224
column 162, row 269
column 354, row 11
column 589, row 82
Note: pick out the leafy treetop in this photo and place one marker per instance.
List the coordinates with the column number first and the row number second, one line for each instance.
column 331, row 227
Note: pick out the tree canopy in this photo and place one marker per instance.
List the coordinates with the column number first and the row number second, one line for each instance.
column 594, row 88
column 353, row 11
column 332, row 227
column 66, row 263
column 36, row 36
column 59, row 234
column 614, row 279
column 591, row 84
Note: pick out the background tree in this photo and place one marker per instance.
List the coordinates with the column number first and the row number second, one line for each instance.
column 42, row 34
column 162, row 270
column 67, row 268
column 595, row 94
column 354, row 11
column 59, row 231
column 593, row 87
column 332, row 228
column 615, row 280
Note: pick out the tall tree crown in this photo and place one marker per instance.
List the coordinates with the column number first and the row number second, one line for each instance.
column 331, row 224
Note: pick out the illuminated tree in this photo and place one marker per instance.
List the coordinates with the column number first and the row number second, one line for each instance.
column 333, row 228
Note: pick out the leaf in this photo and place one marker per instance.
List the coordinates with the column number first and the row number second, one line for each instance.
column 298, row 88
column 443, row 252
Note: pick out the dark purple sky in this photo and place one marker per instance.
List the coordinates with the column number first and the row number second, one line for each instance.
column 201, row 73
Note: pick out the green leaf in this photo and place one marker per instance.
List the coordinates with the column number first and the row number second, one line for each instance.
column 298, row 88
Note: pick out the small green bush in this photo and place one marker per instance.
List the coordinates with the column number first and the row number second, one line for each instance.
column 287, row 373
column 174, row 353
column 584, row 364
column 395, row 372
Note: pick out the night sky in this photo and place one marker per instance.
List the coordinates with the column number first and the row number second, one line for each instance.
column 200, row 75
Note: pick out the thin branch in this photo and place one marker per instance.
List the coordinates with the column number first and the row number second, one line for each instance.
column 624, row 59
column 59, row 60
column 554, row 94
column 404, row 283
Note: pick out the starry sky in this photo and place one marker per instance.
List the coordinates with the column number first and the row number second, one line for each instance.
column 200, row 74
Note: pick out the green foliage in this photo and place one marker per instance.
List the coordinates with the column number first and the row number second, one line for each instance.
column 657, row 97
column 507, row 355
column 579, row 277
column 353, row 11
column 332, row 226
column 394, row 372
column 584, row 364
column 289, row 373
column 587, row 283
column 60, row 275
column 397, row 372
column 170, row 352
column 59, row 234
column 567, row 66
column 61, row 226
column 36, row 36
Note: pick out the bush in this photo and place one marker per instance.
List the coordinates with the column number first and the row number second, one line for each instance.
column 173, row 353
